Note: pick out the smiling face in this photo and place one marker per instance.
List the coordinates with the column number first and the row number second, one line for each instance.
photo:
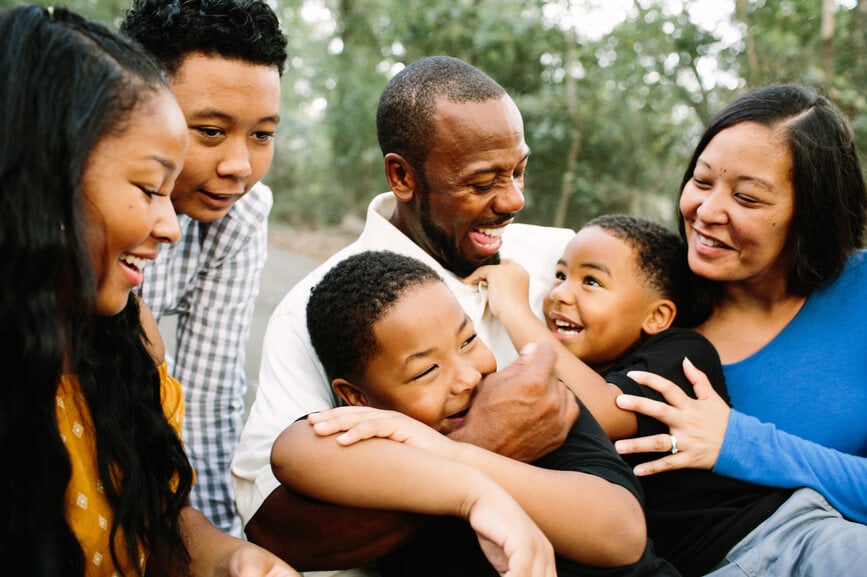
column 126, row 186
column 473, row 182
column 738, row 206
column 232, row 109
column 599, row 307
column 429, row 360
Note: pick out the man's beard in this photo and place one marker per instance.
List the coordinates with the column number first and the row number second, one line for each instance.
column 447, row 246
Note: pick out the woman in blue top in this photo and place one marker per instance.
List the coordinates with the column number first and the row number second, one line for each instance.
column 773, row 208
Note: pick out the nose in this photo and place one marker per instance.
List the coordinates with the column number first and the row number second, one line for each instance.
column 235, row 160
column 166, row 228
column 559, row 294
column 511, row 198
column 467, row 378
column 710, row 206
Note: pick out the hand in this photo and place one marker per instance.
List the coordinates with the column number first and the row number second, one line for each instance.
column 523, row 411
column 508, row 286
column 359, row 423
column 698, row 424
column 252, row 561
column 510, row 540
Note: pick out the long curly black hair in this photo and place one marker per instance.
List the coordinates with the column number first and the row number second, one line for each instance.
column 67, row 83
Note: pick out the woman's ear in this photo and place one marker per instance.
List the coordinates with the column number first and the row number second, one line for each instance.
column 660, row 316
column 351, row 394
column 401, row 177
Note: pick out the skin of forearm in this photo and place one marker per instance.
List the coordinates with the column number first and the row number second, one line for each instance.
column 604, row 524
column 403, row 477
column 595, row 392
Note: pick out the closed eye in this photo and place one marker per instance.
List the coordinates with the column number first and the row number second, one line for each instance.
column 425, row 372
column 150, row 192
column 467, row 343
column 209, row 131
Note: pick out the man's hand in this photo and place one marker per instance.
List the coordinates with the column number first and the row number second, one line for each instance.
column 523, row 411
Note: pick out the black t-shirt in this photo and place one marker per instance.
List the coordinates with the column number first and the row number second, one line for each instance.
column 448, row 546
column 694, row 517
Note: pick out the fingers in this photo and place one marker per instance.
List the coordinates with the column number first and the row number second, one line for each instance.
column 673, row 394
column 478, row 275
column 356, row 423
column 655, row 409
column 651, row 444
column 700, row 383
column 662, row 465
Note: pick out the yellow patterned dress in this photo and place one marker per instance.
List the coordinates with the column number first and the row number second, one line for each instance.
column 87, row 508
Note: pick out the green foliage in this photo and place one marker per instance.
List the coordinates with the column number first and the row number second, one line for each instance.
column 611, row 119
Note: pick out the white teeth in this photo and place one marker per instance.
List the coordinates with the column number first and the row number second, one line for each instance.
column 135, row 261
column 708, row 242
column 564, row 327
column 493, row 231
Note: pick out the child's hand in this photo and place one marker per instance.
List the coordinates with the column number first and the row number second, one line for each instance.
column 510, row 540
column 359, row 423
column 252, row 561
column 508, row 286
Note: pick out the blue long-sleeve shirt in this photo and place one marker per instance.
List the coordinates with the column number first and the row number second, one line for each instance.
column 810, row 382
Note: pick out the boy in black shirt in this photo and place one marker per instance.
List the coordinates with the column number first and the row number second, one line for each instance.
column 392, row 336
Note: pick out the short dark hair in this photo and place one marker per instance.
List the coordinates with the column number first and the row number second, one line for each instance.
column 660, row 258
column 171, row 30
column 830, row 195
column 404, row 116
column 350, row 299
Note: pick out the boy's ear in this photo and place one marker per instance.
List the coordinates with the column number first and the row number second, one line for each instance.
column 351, row 394
column 660, row 317
column 401, row 177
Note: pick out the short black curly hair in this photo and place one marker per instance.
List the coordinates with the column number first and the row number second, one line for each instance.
column 350, row 299
column 661, row 258
column 404, row 115
column 171, row 30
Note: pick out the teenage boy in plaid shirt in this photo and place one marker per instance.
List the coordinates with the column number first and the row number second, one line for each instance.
column 224, row 59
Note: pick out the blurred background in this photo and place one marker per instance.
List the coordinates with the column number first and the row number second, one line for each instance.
column 614, row 93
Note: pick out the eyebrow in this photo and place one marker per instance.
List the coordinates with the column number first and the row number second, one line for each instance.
column 427, row 352
column 214, row 113
column 756, row 179
column 491, row 169
column 591, row 265
column 164, row 161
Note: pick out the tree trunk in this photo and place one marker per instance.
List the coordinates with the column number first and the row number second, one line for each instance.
column 828, row 10
column 568, row 179
column 753, row 74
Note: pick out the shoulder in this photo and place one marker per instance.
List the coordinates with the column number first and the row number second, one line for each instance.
column 153, row 338
column 663, row 355
column 253, row 208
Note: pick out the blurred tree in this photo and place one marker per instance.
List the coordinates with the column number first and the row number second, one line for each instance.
column 610, row 115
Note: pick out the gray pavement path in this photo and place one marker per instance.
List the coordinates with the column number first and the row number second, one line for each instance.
column 282, row 270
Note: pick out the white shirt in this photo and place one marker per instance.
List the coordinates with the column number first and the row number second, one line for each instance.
column 292, row 382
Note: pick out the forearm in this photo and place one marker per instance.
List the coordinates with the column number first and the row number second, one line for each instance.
column 374, row 474
column 760, row 453
column 598, row 395
column 587, row 519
